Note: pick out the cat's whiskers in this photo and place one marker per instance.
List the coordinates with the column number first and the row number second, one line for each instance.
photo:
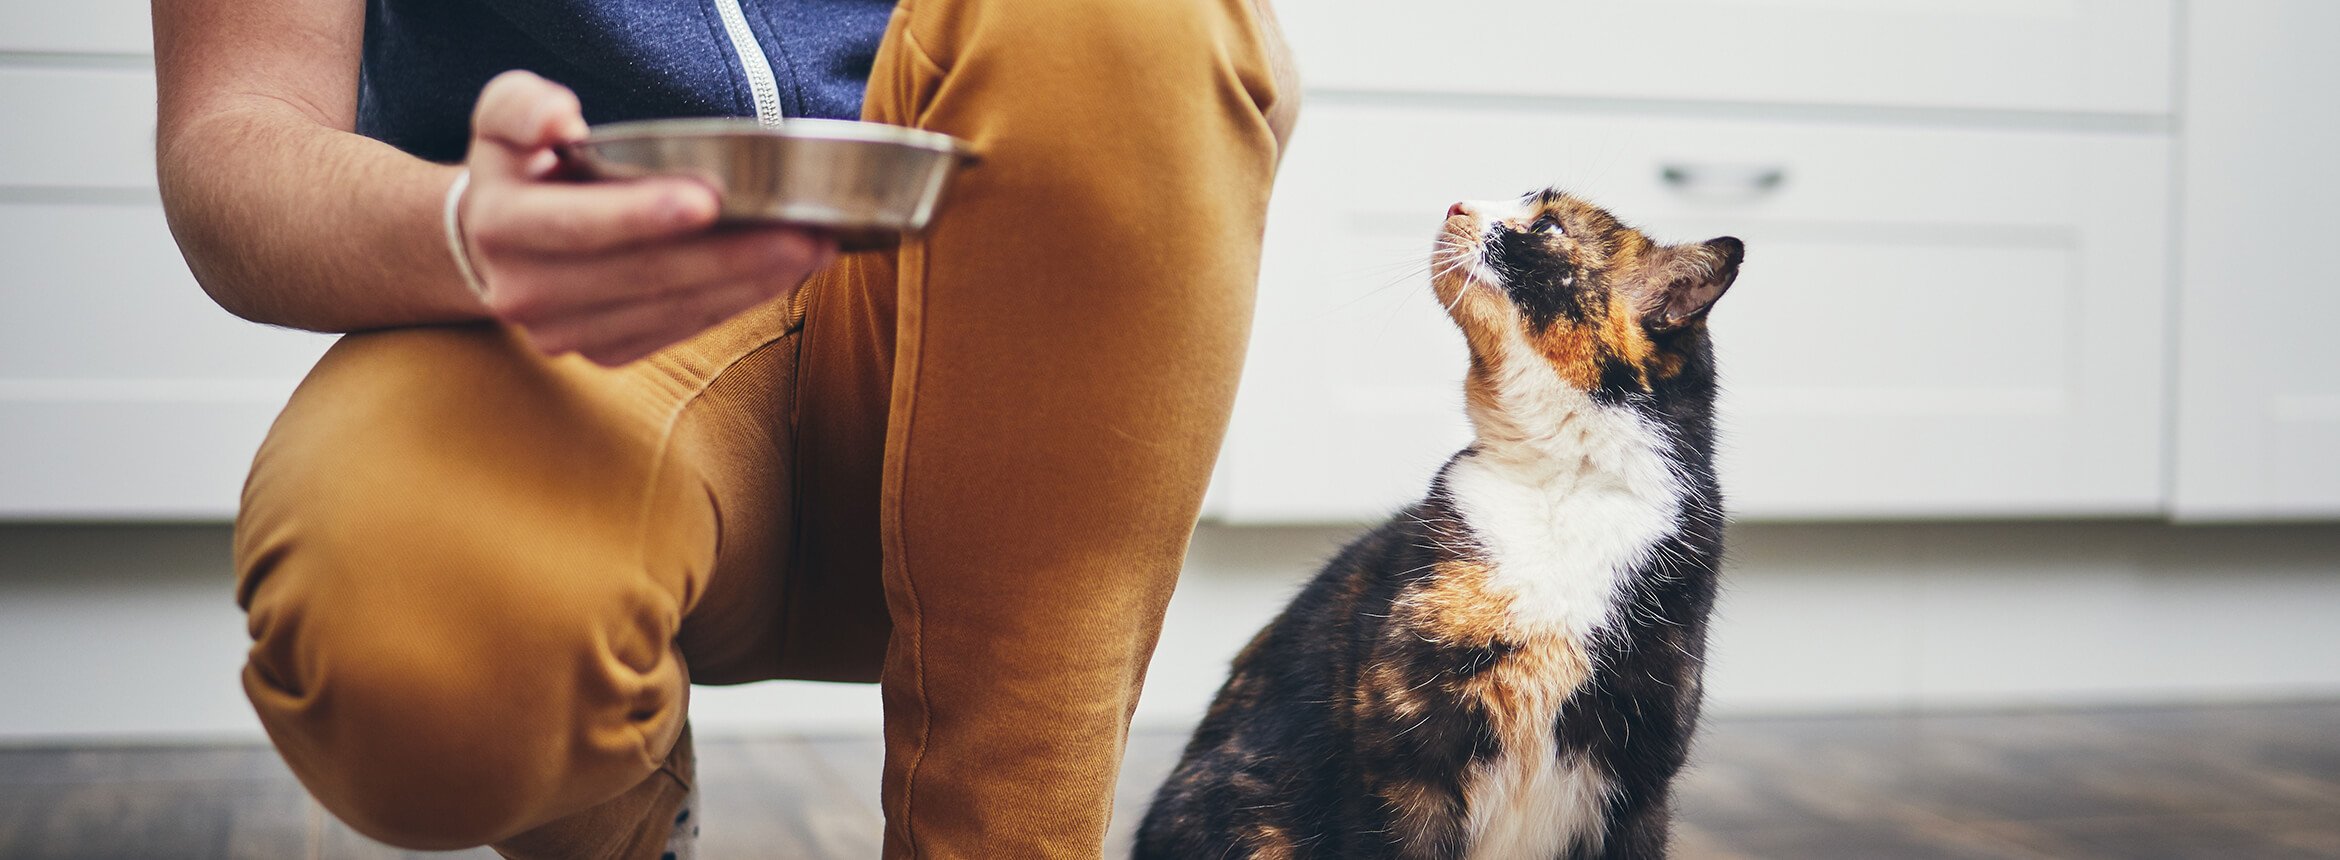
column 1410, row 269
column 1458, row 297
column 1448, row 257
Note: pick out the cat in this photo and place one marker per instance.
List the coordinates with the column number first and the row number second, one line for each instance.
column 1508, row 669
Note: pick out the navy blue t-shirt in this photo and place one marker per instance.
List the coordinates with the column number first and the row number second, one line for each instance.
column 426, row 60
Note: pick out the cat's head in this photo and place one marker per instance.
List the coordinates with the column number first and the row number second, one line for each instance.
column 1553, row 282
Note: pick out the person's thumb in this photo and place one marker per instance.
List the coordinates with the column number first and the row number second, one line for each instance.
column 519, row 119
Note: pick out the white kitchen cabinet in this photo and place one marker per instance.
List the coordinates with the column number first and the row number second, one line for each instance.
column 124, row 392
column 76, row 127
column 79, row 27
column 2096, row 56
column 2258, row 424
column 1931, row 321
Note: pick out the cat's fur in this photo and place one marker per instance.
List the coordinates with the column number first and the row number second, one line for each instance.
column 1509, row 668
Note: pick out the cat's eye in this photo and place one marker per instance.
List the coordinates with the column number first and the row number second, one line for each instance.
column 1548, row 224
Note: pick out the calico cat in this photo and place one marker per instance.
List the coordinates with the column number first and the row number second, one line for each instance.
column 1509, row 668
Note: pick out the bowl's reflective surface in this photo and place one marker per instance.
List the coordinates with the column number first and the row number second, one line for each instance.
column 867, row 183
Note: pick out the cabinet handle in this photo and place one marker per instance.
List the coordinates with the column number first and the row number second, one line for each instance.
column 1724, row 180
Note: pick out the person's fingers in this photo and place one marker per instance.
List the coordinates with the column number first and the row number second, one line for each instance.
column 615, row 336
column 520, row 115
column 667, row 319
column 587, row 218
column 553, row 287
column 626, row 330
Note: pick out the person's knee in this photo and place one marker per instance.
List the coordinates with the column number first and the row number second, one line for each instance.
column 447, row 697
column 434, row 736
column 415, row 754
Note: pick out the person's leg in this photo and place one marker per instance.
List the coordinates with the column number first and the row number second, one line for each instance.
column 467, row 567
column 1066, row 350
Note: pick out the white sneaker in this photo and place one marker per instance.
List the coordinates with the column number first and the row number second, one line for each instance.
column 682, row 843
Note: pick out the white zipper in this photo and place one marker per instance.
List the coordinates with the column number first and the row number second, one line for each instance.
column 761, row 82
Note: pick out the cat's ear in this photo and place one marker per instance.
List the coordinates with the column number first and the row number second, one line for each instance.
column 1688, row 279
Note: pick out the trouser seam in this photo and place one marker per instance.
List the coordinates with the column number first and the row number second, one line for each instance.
column 645, row 519
column 909, row 353
column 907, row 369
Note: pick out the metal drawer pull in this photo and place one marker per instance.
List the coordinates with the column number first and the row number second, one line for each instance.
column 1724, row 180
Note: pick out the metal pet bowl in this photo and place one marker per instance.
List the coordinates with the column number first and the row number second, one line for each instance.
column 867, row 184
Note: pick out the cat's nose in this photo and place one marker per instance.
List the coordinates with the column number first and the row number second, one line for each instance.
column 1460, row 207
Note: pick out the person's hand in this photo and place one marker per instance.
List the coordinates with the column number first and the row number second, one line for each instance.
column 613, row 271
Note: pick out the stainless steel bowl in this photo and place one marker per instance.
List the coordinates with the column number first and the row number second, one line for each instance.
column 868, row 184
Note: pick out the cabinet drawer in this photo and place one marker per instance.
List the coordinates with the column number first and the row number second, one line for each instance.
column 2045, row 55
column 130, row 457
column 126, row 391
column 99, row 291
column 76, row 127
column 85, row 26
column 1930, row 322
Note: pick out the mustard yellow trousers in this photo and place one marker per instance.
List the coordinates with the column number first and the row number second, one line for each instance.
column 480, row 581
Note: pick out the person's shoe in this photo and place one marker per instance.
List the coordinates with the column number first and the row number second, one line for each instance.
column 682, row 843
column 657, row 818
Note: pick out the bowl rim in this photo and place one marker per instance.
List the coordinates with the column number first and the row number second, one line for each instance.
column 794, row 128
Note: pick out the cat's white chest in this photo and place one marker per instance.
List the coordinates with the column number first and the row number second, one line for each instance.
column 1562, row 529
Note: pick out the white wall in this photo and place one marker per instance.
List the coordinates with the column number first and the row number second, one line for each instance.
column 131, row 631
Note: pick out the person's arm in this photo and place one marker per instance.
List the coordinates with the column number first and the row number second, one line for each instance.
column 288, row 217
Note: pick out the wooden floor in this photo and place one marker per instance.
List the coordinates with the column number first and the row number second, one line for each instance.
column 2250, row 783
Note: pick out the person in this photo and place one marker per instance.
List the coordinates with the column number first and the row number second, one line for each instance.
column 504, row 523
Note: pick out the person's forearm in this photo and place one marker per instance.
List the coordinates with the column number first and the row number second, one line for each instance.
column 290, row 222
